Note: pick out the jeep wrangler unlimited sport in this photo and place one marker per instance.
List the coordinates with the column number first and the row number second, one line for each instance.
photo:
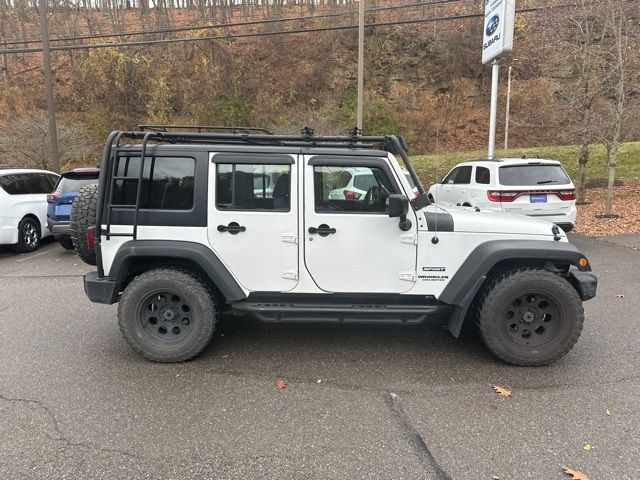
column 187, row 223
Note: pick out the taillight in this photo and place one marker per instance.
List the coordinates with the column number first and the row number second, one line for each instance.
column 91, row 237
column 349, row 195
column 496, row 196
column 567, row 195
column 52, row 197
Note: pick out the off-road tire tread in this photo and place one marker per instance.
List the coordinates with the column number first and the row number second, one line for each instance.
column 502, row 281
column 186, row 279
column 83, row 215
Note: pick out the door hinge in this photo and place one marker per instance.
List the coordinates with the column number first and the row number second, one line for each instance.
column 410, row 238
column 290, row 275
column 408, row 276
column 290, row 238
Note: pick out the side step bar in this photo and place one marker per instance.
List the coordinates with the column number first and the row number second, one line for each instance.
column 342, row 312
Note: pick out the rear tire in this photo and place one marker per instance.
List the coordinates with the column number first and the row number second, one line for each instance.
column 530, row 317
column 67, row 243
column 167, row 315
column 28, row 236
column 83, row 216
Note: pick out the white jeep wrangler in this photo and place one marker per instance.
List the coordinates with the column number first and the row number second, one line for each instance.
column 195, row 229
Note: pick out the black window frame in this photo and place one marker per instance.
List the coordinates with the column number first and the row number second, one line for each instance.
column 354, row 162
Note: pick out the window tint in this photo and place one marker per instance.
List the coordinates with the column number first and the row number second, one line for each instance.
column 53, row 179
column 253, row 187
column 460, row 175
column 369, row 193
column 38, row 183
column 527, row 175
column 483, row 175
column 14, row 184
column 343, row 179
column 449, row 179
column 364, row 182
column 168, row 182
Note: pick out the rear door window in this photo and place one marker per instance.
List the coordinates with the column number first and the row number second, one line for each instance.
column 533, row 175
column 250, row 187
column 483, row 175
column 38, row 183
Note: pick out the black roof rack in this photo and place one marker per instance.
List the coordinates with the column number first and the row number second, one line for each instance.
column 203, row 128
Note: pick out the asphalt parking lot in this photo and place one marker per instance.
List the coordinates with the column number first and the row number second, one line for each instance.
column 361, row 401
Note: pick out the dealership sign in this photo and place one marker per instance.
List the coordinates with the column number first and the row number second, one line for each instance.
column 497, row 38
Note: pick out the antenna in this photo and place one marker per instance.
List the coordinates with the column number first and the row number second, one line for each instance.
column 435, row 238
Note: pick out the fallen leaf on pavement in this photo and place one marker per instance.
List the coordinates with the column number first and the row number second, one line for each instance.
column 586, row 447
column 502, row 391
column 281, row 384
column 608, row 412
column 575, row 474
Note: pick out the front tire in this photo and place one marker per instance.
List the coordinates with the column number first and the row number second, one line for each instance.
column 530, row 317
column 167, row 315
column 28, row 236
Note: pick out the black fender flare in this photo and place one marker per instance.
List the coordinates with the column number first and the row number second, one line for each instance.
column 469, row 278
column 180, row 250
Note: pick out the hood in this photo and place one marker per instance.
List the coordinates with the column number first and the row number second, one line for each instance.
column 472, row 220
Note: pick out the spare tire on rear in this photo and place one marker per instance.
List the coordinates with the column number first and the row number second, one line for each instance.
column 83, row 216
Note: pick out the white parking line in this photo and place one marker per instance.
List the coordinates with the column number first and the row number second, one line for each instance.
column 33, row 255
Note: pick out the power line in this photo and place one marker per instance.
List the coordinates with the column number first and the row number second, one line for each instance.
column 255, row 15
column 267, row 34
column 232, row 24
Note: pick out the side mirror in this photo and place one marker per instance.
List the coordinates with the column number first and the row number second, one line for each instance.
column 398, row 207
column 439, row 179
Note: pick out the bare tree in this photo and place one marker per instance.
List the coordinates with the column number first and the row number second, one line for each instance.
column 25, row 142
column 621, row 71
column 581, row 36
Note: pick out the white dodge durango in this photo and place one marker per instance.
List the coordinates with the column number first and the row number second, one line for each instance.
column 536, row 187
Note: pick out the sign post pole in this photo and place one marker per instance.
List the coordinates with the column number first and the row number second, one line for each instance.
column 495, row 71
column 499, row 20
column 506, row 115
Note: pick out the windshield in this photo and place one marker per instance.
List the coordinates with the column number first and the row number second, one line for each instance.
column 531, row 175
column 74, row 184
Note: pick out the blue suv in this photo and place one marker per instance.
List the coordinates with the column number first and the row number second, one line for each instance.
column 59, row 202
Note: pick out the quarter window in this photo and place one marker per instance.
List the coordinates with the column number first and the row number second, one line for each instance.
column 351, row 189
column 483, row 175
column 242, row 186
column 167, row 183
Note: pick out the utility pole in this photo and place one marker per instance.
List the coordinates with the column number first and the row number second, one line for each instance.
column 495, row 71
column 506, row 119
column 360, row 62
column 48, row 85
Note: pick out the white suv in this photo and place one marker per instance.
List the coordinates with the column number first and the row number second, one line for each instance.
column 23, row 206
column 535, row 187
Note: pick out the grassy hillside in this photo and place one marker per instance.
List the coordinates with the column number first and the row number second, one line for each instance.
column 428, row 166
